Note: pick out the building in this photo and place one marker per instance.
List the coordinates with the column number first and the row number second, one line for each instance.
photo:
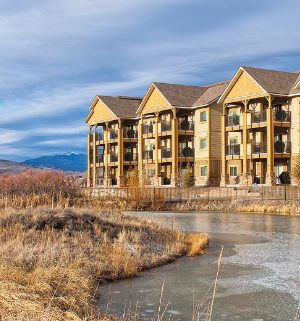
column 260, row 126
column 173, row 131
column 112, row 140
column 230, row 133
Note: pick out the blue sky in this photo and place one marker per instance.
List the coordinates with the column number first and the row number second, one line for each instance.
column 56, row 55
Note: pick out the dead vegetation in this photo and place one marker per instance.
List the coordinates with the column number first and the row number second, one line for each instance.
column 53, row 257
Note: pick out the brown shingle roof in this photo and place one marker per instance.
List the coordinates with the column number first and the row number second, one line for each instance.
column 275, row 82
column 180, row 95
column 121, row 106
column 294, row 90
column 212, row 93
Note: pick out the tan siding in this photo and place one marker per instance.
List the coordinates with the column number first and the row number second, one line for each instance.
column 155, row 102
column 216, row 131
column 244, row 86
column 101, row 113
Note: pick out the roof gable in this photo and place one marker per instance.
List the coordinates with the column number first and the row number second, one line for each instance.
column 212, row 93
column 99, row 112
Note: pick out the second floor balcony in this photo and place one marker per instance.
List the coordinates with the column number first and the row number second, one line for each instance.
column 130, row 133
column 186, row 152
column 185, row 125
column 166, row 153
column 259, row 148
column 130, row 157
column 233, row 150
column 259, row 117
column 100, row 158
column 113, row 134
column 282, row 116
column 233, row 120
column 148, row 129
column 282, row 147
column 165, row 126
column 113, row 157
column 148, row 155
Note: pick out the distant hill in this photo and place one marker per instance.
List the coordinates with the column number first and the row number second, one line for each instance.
column 11, row 167
column 70, row 162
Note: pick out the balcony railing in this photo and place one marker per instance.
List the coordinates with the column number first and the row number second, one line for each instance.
column 166, row 153
column 147, row 129
column 233, row 120
column 148, row 155
column 259, row 148
column 282, row 116
column 186, row 152
column 113, row 157
column 259, row 117
column 185, row 125
column 113, row 134
column 130, row 133
column 282, row 147
column 100, row 158
column 166, row 126
column 130, row 157
column 233, row 150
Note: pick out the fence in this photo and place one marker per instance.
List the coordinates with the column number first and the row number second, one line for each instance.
column 177, row 194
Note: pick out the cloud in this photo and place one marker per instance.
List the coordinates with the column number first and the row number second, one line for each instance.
column 56, row 55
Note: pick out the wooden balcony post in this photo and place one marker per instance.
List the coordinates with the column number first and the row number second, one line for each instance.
column 224, row 175
column 270, row 178
column 94, row 156
column 140, row 146
column 106, row 171
column 174, row 146
column 120, row 153
column 89, row 173
column 157, row 172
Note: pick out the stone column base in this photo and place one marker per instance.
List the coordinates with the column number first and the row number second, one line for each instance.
column 224, row 180
column 246, row 179
column 270, row 179
column 120, row 181
column 174, row 180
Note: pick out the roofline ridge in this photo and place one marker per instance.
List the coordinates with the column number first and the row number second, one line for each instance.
column 286, row 72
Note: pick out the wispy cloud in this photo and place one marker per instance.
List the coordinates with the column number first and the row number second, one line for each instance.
column 57, row 55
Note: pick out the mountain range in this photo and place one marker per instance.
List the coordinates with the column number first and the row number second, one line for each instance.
column 69, row 162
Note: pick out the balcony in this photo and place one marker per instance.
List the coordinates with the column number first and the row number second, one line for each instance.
column 233, row 120
column 166, row 153
column 130, row 157
column 100, row 158
column 282, row 116
column 148, row 155
column 130, row 133
column 259, row 148
column 259, row 117
column 233, row 150
column 185, row 125
column 113, row 134
column 147, row 129
column 186, row 152
column 113, row 157
column 282, row 147
column 166, row 126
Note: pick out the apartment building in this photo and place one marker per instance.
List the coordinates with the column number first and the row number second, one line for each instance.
column 172, row 130
column 239, row 132
column 260, row 126
column 112, row 140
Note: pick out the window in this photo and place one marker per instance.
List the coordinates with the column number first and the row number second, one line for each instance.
column 233, row 170
column 233, row 141
column 203, row 143
column 202, row 116
column 203, row 170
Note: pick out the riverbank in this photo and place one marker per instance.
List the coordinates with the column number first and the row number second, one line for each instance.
column 52, row 261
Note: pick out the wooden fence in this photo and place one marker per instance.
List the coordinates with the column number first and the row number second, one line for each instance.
column 177, row 194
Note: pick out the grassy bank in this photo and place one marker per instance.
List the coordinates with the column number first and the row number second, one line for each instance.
column 51, row 261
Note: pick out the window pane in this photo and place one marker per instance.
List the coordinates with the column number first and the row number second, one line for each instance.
column 203, row 143
column 203, row 116
column 203, row 170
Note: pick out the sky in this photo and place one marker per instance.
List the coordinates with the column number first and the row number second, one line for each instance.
column 56, row 55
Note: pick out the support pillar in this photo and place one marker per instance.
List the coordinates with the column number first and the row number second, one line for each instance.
column 157, row 171
column 174, row 148
column 224, row 175
column 94, row 156
column 89, row 155
column 120, row 171
column 140, row 150
column 107, row 181
column 246, row 178
column 270, row 176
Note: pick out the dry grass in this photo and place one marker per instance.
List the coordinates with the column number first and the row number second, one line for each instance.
column 51, row 261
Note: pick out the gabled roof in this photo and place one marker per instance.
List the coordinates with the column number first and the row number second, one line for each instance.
column 180, row 95
column 274, row 82
column 211, row 93
column 122, row 106
column 296, row 88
